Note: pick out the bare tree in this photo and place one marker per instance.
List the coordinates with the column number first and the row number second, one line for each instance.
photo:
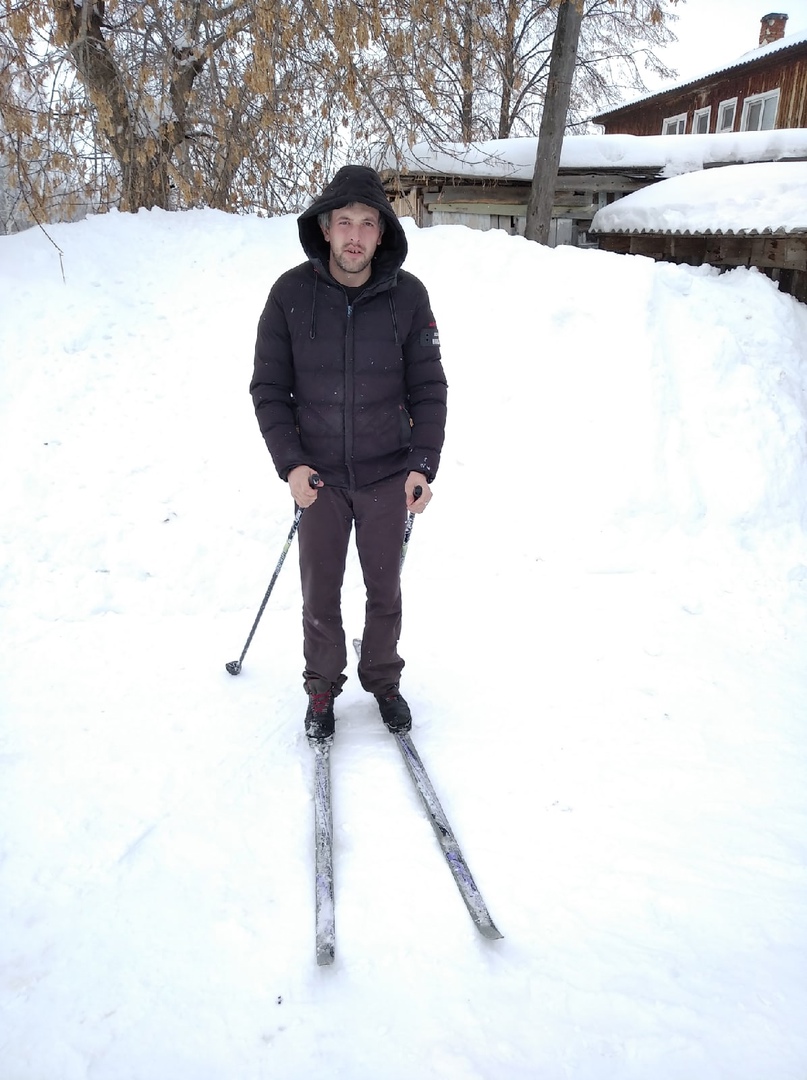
column 238, row 105
column 249, row 104
column 553, row 121
column 474, row 70
column 572, row 16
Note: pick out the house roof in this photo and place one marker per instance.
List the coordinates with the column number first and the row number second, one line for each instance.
column 665, row 155
column 754, row 199
column 796, row 41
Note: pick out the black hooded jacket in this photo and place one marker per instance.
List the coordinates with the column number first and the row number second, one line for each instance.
column 357, row 392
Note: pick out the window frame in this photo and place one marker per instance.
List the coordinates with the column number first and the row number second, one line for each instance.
column 719, row 129
column 751, row 100
column 707, row 112
column 680, row 120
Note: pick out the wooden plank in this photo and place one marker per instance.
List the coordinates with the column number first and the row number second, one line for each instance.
column 769, row 253
column 688, row 249
column 502, row 209
column 765, row 252
column 617, row 242
column 794, row 256
column 603, row 182
column 586, row 186
column 468, row 196
column 449, row 198
column 560, row 210
column 651, row 246
column 482, row 192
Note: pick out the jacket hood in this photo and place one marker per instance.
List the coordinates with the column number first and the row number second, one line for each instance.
column 354, row 184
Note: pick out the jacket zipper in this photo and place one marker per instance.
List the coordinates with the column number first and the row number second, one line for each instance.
column 349, row 392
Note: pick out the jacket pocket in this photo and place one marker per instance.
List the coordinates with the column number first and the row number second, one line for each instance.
column 407, row 423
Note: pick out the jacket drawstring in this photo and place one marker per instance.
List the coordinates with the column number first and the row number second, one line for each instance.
column 312, row 333
column 394, row 317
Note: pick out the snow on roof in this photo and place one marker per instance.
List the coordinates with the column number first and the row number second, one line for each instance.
column 750, row 57
column 736, row 199
column 514, row 159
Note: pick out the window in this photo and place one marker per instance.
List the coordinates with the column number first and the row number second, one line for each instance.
column 700, row 121
column 674, row 125
column 759, row 112
column 726, row 114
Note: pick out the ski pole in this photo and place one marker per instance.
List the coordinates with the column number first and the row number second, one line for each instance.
column 234, row 666
column 410, row 521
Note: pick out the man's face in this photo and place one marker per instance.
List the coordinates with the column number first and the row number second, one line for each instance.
column 354, row 234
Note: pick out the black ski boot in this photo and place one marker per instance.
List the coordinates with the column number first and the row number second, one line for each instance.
column 394, row 711
column 319, row 718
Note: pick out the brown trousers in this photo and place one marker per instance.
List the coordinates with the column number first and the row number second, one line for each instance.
column 379, row 513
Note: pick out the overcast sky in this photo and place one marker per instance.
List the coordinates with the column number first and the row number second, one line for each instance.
column 713, row 32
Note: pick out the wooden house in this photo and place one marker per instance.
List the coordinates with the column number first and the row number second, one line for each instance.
column 762, row 90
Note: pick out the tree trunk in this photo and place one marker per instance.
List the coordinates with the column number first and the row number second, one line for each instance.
column 142, row 149
column 553, row 120
column 144, row 177
column 467, row 69
column 508, row 69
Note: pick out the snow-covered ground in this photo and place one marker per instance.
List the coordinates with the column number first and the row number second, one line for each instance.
column 605, row 630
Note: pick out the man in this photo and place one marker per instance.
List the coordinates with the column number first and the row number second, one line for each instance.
column 350, row 396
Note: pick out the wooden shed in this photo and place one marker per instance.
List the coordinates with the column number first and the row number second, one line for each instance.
column 741, row 215
column 487, row 185
column 781, row 256
column 496, row 203
column 763, row 89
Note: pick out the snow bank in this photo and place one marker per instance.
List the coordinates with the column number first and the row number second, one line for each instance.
column 605, row 629
column 737, row 198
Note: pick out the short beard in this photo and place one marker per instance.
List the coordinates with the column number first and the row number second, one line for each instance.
column 352, row 269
